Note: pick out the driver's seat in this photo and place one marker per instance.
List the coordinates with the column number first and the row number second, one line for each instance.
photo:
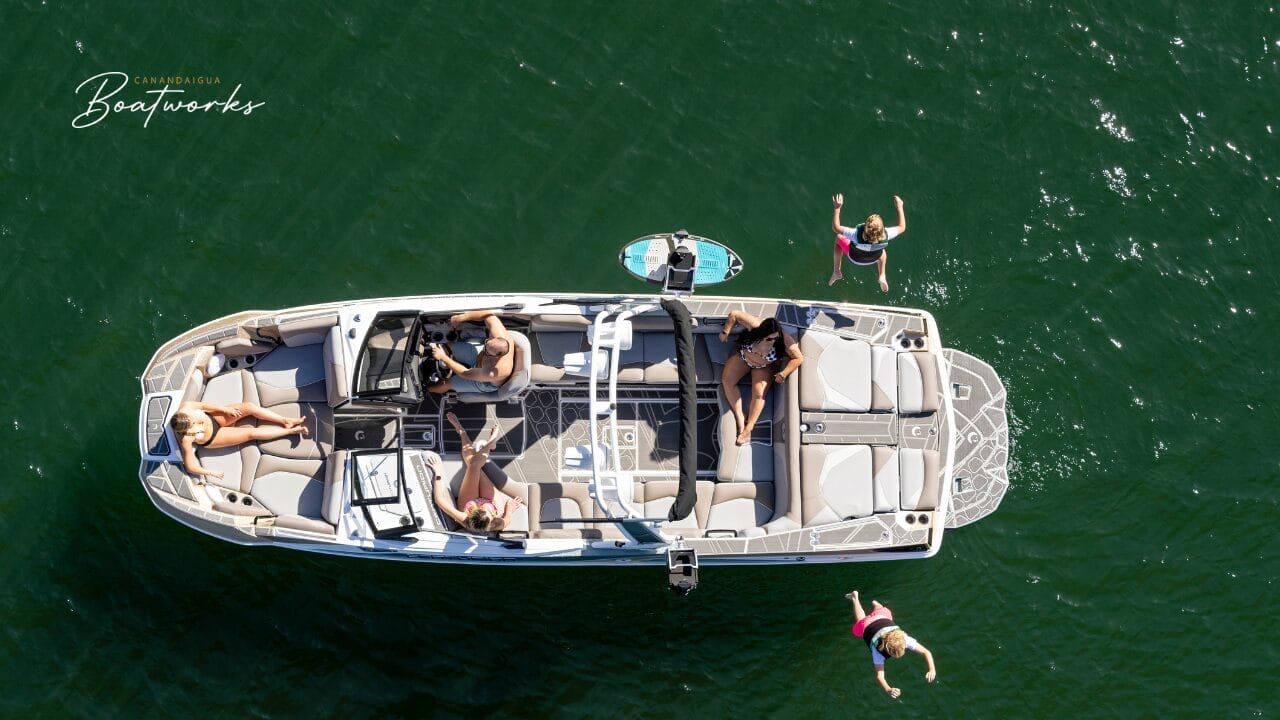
column 513, row 387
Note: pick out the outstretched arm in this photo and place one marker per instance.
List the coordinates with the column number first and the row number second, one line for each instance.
column 444, row 501
column 902, row 215
column 794, row 358
column 738, row 317
column 508, row 511
column 470, row 316
column 928, row 657
column 884, row 684
column 458, row 368
column 192, row 464
column 838, row 201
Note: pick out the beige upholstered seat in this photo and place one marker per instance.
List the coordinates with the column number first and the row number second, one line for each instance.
column 565, row 510
column 919, row 478
column 836, row 482
column 884, row 378
column 836, row 374
column 288, row 475
column 753, row 461
column 741, row 507
column 660, row 495
column 917, row 383
column 548, row 350
column 884, row 488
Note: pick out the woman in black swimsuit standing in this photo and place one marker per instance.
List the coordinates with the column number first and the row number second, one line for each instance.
column 761, row 347
column 214, row 426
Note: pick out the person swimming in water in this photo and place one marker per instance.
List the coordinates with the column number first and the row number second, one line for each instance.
column 479, row 512
column 198, row 424
column 885, row 639
column 761, row 349
column 866, row 244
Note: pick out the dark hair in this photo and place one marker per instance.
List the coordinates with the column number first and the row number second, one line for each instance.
column 767, row 327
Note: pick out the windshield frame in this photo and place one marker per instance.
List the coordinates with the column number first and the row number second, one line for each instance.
column 408, row 389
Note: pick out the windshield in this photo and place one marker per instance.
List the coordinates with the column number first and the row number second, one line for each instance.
column 381, row 368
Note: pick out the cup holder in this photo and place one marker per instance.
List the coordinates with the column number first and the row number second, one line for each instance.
column 906, row 343
column 232, row 497
column 233, row 363
column 919, row 343
column 250, row 359
column 923, row 519
column 246, row 500
column 911, row 519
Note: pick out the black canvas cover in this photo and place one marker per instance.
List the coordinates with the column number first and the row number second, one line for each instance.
column 687, row 495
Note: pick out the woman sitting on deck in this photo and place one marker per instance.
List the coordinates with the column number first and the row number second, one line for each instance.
column 479, row 513
column 214, row 426
column 761, row 348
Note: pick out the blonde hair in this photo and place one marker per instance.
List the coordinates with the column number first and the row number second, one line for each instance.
column 873, row 229
column 181, row 423
column 894, row 643
column 478, row 519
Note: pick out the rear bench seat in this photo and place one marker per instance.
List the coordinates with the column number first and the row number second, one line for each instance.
column 841, row 482
column 290, row 477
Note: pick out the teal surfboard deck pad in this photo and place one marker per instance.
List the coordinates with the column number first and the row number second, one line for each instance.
column 646, row 258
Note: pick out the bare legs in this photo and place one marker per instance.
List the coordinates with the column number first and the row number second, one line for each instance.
column 734, row 370
column 231, row 434
column 761, row 379
column 858, row 612
column 475, row 483
column 837, row 258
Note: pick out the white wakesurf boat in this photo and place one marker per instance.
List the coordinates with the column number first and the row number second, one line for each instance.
column 613, row 429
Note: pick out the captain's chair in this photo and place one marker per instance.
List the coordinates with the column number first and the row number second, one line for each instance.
column 518, row 382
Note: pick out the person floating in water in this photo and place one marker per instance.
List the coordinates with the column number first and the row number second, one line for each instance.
column 866, row 244
column 885, row 639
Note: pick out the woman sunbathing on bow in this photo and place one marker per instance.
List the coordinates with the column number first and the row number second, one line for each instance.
column 198, row 424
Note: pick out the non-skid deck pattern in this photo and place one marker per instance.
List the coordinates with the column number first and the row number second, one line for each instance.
column 982, row 439
column 546, row 436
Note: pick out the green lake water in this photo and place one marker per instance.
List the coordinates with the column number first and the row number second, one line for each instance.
column 1090, row 188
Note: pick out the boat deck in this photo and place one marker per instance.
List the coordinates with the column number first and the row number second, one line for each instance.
column 852, row 454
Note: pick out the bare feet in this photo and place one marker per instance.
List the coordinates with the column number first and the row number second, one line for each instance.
column 744, row 437
column 834, row 277
column 294, row 422
column 299, row 430
column 851, row 596
column 876, row 604
column 884, row 284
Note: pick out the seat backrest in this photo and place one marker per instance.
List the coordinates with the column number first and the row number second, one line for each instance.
column 335, row 368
